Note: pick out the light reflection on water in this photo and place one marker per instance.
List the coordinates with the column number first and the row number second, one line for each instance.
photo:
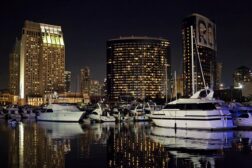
column 48, row 144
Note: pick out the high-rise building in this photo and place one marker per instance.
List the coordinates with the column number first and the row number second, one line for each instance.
column 198, row 32
column 14, row 59
column 241, row 76
column 85, row 80
column 138, row 66
column 218, row 75
column 95, row 88
column 42, row 60
column 67, row 81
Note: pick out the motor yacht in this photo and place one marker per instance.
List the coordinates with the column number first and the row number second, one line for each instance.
column 200, row 111
column 244, row 119
column 60, row 112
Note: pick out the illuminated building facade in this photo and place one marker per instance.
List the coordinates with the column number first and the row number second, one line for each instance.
column 95, row 88
column 137, row 66
column 67, row 81
column 204, row 46
column 52, row 64
column 85, row 80
column 241, row 76
column 42, row 60
column 7, row 98
column 14, row 69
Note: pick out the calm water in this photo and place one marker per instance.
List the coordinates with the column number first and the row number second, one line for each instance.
column 48, row 144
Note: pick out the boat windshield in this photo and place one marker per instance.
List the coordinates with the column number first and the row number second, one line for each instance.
column 49, row 110
column 62, row 107
column 191, row 106
column 245, row 115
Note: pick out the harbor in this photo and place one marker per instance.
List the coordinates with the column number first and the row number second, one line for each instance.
column 125, row 84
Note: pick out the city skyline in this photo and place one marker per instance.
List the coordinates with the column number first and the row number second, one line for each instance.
column 87, row 25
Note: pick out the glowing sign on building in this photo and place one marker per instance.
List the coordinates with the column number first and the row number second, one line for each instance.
column 52, row 34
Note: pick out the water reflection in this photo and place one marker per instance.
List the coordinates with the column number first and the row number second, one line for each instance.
column 57, row 130
column 46, row 144
column 131, row 147
column 193, row 148
column 243, row 141
column 192, row 139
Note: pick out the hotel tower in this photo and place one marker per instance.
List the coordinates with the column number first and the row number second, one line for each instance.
column 138, row 66
column 42, row 60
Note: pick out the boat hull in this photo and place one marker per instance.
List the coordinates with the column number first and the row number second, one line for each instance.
column 243, row 122
column 194, row 119
column 60, row 116
column 100, row 118
column 216, row 123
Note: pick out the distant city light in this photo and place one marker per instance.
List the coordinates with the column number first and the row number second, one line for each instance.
column 240, row 86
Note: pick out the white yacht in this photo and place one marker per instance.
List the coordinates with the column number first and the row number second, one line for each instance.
column 200, row 111
column 61, row 112
column 101, row 114
column 244, row 119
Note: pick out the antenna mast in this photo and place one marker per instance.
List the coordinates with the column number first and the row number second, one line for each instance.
column 192, row 61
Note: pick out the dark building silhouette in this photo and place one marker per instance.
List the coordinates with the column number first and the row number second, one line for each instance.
column 14, row 69
column 67, row 81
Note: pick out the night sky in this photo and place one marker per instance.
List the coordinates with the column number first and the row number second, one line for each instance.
column 87, row 24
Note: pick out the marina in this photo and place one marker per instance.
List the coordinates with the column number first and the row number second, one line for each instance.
column 126, row 84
